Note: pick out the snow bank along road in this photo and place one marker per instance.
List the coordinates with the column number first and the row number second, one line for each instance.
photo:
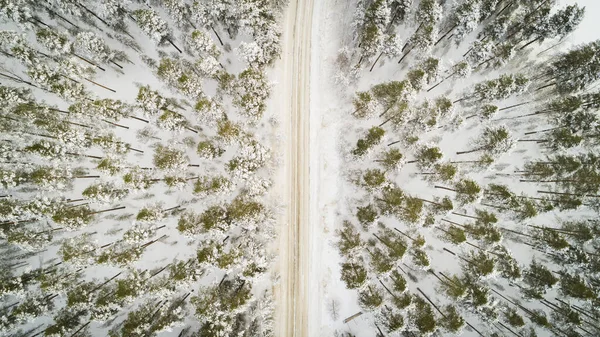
column 293, row 295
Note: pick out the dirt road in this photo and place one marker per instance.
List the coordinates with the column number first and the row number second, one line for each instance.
column 294, row 245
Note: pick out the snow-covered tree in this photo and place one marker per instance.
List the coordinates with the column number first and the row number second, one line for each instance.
column 493, row 140
column 574, row 70
column 251, row 157
column 18, row 11
column 56, row 42
column 91, row 45
column 152, row 24
column 212, row 186
column 252, row 91
column 104, row 193
column 170, row 158
column 201, row 45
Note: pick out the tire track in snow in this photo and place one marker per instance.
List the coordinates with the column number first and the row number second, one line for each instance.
column 294, row 258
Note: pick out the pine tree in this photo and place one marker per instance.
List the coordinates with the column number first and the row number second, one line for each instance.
column 422, row 316
column 574, row 70
column 353, row 274
column 372, row 138
column 493, row 141
column 539, row 279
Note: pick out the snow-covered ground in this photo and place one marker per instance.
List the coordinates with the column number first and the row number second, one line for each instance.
column 334, row 197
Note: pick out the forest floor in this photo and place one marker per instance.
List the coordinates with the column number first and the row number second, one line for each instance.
column 294, row 94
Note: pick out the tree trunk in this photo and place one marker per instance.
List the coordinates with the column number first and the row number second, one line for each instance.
column 175, row 46
column 530, row 42
column 571, row 194
column 407, row 41
column 81, row 328
column 88, row 61
column 505, row 8
column 554, row 46
column 82, row 155
column 104, row 283
column 115, row 124
column 171, row 209
column 463, row 99
column 513, row 106
column 466, row 216
column 431, row 302
column 545, row 130
column 385, row 122
column 405, row 55
column 100, row 85
column 435, row 86
column 376, row 60
column 61, row 17
column 109, row 210
column 443, row 36
column 360, row 60
column 546, row 86
column 139, row 119
column 217, row 34
column 115, row 63
column 470, row 151
column 20, row 80
column 399, row 231
column 445, row 188
column 93, row 14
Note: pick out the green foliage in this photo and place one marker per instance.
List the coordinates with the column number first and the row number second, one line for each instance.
column 468, row 191
column 395, row 244
column 428, row 156
column 65, row 322
column 506, row 264
column 362, row 104
column 370, row 298
column 575, row 286
column 513, row 318
column 349, row 239
column 168, row 158
column 455, row 235
column 207, row 185
column 480, row 264
column 381, row 261
column 390, row 159
column 402, row 301
column 412, row 210
column 398, row 281
column 454, row 287
column 240, row 209
column 575, row 69
column 149, row 214
column 73, row 217
column 209, row 150
column 452, row 321
column 538, row 278
column 373, row 137
column 213, row 217
column 423, row 316
column 367, row 215
column 445, row 171
column 419, row 258
column 391, row 320
column 228, row 131
column 391, row 200
column 353, row 274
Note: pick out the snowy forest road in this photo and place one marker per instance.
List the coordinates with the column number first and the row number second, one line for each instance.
column 293, row 297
